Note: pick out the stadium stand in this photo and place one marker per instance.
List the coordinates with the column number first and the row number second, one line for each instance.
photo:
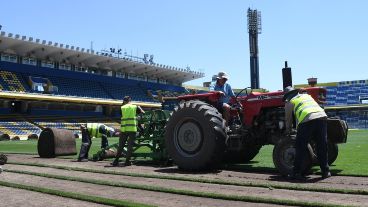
column 118, row 91
column 26, row 125
column 72, row 123
column 71, row 83
column 348, row 93
column 356, row 118
column 20, row 128
column 347, row 100
column 12, row 82
column 60, row 85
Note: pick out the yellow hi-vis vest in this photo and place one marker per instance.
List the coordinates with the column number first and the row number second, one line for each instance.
column 304, row 105
column 94, row 129
column 128, row 118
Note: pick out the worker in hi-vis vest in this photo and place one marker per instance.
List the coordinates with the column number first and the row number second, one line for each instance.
column 311, row 124
column 128, row 129
column 96, row 130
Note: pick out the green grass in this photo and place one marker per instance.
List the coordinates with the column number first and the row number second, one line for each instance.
column 352, row 159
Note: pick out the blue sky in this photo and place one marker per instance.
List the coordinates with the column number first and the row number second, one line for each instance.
column 324, row 39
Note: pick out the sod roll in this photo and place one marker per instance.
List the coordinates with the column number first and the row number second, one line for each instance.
column 56, row 142
column 3, row 159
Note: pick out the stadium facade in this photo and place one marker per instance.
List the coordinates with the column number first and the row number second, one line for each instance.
column 49, row 84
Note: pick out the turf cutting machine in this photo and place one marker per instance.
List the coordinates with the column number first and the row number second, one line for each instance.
column 150, row 141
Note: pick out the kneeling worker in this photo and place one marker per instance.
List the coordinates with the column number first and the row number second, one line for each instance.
column 93, row 130
column 128, row 129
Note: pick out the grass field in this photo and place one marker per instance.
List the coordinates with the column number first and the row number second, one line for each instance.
column 352, row 159
column 30, row 147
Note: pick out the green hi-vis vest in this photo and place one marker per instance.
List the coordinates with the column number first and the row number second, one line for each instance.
column 304, row 105
column 128, row 118
column 93, row 129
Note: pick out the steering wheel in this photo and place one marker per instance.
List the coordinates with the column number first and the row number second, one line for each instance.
column 237, row 104
column 246, row 91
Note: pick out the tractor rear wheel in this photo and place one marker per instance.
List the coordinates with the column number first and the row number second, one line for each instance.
column 333, row 152
column 284, row 155
column 195, row 136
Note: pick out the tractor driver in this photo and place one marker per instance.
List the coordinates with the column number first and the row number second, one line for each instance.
column 227, row 92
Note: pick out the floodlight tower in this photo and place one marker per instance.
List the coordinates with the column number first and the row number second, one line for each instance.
column 254, row 28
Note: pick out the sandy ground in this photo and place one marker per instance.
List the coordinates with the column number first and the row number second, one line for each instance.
column 167, row 199
column 23, row 198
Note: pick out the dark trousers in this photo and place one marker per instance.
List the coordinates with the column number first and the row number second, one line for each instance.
column 104, row 141
column 87, row 142
column 316, row 129
column 103, row 131
column 124, row 137
column 86, row 145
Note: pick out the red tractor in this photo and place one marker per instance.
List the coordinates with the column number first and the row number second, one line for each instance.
column 196, row 137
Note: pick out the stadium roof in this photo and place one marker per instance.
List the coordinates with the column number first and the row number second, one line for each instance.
column 64, row 53
column 66, row 99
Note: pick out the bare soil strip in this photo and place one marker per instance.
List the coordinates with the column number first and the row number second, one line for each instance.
column 140, row 196
column 343, row 182
column 334, row 182
column 306, row 196
column 24, row 198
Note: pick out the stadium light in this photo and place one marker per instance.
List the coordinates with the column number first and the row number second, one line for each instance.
column 145, row 56
column 151, row 60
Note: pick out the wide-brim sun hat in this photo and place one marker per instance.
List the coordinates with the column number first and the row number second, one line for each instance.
column 222, row 75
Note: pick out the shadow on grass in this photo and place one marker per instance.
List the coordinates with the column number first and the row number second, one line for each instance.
column 335, row 171
column 228, row 167
column 249, row 167
column 306, row 179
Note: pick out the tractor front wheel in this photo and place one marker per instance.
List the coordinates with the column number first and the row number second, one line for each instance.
column 195, row 136
column 284, row 156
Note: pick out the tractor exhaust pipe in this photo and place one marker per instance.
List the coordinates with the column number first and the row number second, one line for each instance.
column 286, row 76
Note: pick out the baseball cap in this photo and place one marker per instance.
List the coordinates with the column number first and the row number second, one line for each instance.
column 127, row 98
column 290, row 92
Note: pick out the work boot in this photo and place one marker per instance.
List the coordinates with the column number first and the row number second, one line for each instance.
column 82, row 160
column 326, row 174
column 127, row 163
column 115, row 163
